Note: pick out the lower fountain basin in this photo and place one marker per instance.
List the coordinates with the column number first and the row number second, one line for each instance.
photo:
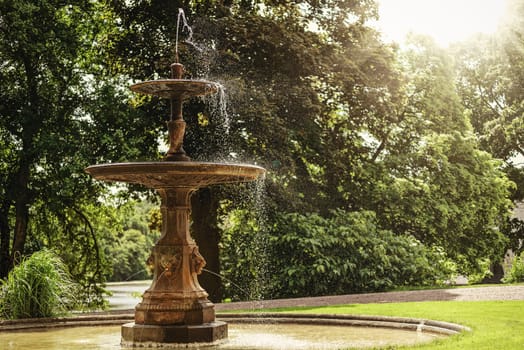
column 246, row 332
column 176, row 174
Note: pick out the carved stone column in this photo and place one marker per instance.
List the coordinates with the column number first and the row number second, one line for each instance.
column 175, row 308
column 175, row 296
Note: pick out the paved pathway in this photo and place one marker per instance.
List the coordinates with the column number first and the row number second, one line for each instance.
column 458, row 294
column 126, row 296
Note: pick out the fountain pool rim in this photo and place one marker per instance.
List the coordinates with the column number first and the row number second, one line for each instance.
column 107, row 319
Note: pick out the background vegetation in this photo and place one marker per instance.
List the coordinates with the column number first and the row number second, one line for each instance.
column 312, row 255
column 386, row 165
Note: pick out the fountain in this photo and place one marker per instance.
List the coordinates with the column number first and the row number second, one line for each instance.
column 175, row 309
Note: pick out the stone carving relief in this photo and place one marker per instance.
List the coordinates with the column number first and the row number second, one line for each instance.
column 197, row 261
column 170, row 264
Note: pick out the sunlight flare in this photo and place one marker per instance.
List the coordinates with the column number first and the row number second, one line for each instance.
column 447, row 21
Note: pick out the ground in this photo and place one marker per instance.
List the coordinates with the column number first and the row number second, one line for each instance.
column 127, row 295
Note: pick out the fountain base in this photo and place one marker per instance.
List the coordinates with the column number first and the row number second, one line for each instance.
column 140, row 335
column 166, row 310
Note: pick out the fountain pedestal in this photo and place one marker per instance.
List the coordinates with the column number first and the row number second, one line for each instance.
column 175, row 308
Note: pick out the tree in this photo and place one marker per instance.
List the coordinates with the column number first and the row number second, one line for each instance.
column 490, row 81
column 277, row 73
column 339, row 119
column 490, row 91
column 59, row 114
column 457, row 199
column 444, row 189
column 38, row 61
column 129, row 249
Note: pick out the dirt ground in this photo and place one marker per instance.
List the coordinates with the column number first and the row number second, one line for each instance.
column 515, row 292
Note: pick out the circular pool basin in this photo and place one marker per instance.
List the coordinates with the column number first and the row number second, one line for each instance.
column 246, row 332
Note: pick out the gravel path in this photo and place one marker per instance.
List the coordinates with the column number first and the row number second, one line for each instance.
column 127, row 295
column 457, row 294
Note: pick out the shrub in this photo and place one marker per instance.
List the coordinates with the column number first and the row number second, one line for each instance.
column 39, row 286
column 516, row 273
column 348, row 252
column 311, row 255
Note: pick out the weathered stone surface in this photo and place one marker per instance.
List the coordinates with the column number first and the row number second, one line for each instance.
column 170, row 174
column 175, row 88
column 135, row 334
column 175, row 311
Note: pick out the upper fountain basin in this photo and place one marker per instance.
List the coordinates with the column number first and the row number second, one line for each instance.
column 175, row 88
column 164, row 174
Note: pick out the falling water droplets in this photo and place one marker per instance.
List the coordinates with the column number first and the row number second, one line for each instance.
column 250, row 195
column 261, row 241
column 218, row 105
column 254, row 198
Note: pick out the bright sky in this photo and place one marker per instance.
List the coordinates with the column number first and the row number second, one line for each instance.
column 446, row 21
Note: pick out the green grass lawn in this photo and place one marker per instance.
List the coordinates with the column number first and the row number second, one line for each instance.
column 495, row 324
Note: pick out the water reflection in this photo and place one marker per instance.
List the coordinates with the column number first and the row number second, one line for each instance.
column 241, row 337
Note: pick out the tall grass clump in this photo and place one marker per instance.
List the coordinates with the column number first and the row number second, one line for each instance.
column 40, row 286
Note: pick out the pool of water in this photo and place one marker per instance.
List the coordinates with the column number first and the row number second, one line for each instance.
column 241, row 337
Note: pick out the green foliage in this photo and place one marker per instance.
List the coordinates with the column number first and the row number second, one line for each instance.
column 490, row 77
column 339, row 119
column 39, row 286
column 128, row 246
column 78, row 237
column 516, row 273
column 348, row 252
column 309, row 255
column 456, row 199
column 514, row 230
column 482, row 272
column 129, row 256
column 97, row 243
column 61, row 112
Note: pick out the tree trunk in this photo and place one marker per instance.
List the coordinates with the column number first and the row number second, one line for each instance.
column 22, row 194
column 206, row 233
column 23, row 201
column 5, row 255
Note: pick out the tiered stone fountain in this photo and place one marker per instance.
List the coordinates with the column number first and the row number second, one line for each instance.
column 175, row 309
